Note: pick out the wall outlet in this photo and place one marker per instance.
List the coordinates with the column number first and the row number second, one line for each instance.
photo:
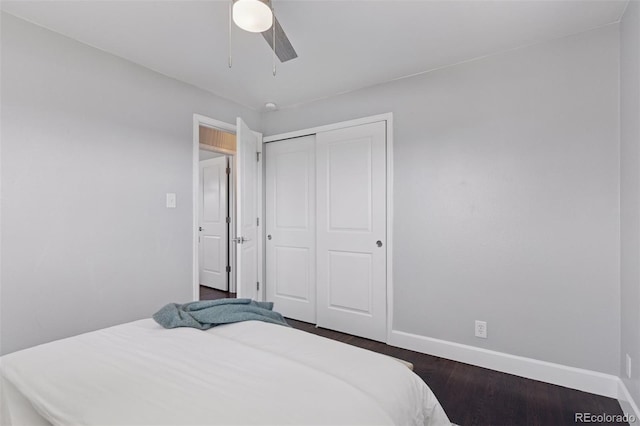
column 171, row 200
column 628, row 366
column 481, row 329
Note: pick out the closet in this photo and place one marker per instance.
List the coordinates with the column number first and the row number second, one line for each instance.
column 326, row 228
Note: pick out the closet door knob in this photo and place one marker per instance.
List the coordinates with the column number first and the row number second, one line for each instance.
column 269, row 237
column 379, row 243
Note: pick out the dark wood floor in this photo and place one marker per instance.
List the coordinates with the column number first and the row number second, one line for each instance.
column 476, row 396
column 207, row 293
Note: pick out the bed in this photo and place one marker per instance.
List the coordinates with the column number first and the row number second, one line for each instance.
column 245, row 373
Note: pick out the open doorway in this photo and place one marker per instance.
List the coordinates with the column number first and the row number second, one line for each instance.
column 241, row 148
column 216, row 212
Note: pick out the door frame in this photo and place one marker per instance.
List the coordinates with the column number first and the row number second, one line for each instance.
column 201, row 120
column 388, row 119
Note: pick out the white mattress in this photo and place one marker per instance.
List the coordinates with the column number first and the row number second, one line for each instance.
column 238, row 374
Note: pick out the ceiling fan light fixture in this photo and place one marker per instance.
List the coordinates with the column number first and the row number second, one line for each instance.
column 252, row 15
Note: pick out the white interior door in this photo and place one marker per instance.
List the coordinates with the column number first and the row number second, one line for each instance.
column 213, row 257
column 351, row 230
column 290, row 227
column 246, row 238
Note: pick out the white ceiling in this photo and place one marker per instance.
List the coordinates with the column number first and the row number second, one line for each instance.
column 342, row 45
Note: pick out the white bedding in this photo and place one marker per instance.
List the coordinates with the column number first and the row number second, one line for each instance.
column 237, row 374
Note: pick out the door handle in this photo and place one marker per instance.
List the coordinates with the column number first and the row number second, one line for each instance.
column 200, row 228
column 269, row 237
column 240, row 240
column 379, row 243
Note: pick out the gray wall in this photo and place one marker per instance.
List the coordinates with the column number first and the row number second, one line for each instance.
column 506, row 198
column 507, row 189
column 86, row 239
column 630, row 194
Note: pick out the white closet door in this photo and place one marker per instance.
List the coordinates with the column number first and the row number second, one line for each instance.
column 213, row 223
column 247, row 207
column 290, row 227
column 351, row 230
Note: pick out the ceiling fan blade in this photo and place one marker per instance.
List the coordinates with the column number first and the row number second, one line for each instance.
column 284, row 50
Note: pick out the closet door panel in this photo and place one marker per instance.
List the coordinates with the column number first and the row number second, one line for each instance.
column 351, row 230
column 290, row 227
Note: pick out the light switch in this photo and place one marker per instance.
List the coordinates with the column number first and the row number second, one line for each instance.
column 171, row 200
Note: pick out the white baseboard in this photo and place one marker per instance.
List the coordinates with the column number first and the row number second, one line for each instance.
column 576, row 378
column 627, row 403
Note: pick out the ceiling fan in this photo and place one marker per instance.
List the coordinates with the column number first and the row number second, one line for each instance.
column 257, row 16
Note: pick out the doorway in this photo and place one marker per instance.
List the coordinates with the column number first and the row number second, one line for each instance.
column 215, row 210
column 227, row 243
column 214, row 207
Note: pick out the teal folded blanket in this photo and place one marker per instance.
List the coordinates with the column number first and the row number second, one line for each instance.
column 209, row 313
